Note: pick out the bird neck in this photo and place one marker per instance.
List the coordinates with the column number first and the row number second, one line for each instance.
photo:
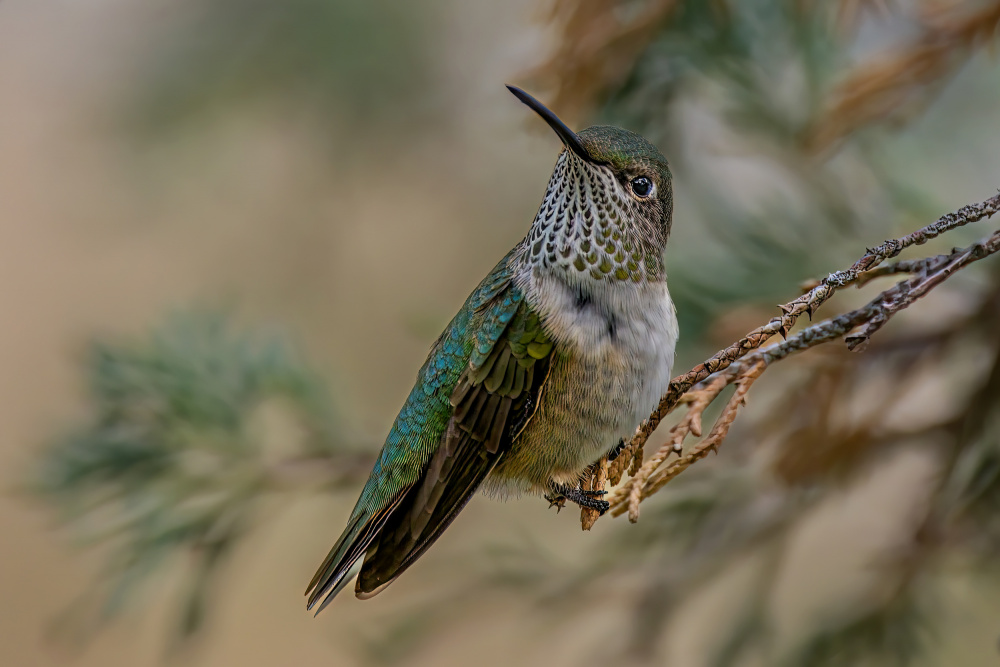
column 588, row 228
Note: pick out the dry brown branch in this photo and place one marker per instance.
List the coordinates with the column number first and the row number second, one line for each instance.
column 649, row 478
column 903, row 266
column 808, row 303
column 743, row 361
column 895, row 83
column 699, row 399
column 745, row 377
column 936, row 273
column 595, row 478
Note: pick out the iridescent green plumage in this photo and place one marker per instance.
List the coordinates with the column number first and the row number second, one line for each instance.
column 472, row 395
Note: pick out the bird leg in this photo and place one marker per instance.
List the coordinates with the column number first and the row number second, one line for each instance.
column 589, row 499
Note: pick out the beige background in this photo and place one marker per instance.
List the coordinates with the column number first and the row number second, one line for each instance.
column 365, row 264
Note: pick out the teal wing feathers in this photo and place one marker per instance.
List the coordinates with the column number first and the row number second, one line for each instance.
column 474, row 392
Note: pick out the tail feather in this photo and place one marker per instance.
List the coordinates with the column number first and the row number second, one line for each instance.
column 331, row 577
column 413, row 528
column 348, row 577
column 324, row 571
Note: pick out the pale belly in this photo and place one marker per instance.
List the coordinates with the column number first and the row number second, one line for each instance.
column 599, row 388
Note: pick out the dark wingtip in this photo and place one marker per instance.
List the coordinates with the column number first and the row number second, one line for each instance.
column 326, row 594
column 326, row 601
column 568, row 136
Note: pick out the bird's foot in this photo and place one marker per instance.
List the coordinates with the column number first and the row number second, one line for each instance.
column 558, row 502
column 589, row 499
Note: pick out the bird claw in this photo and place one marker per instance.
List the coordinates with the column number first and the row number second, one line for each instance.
column 584, row 498
column 558, row 502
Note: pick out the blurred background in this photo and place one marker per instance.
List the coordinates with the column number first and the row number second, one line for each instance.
column 230, row 231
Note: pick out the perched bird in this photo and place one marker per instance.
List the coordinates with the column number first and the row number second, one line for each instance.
column 555, row 358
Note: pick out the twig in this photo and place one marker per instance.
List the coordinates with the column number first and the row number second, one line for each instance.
column 747, row 376
column 808, row 303
column 699, row 399
column 640, row 487
column 918, row 287
column 930, row 272
column 902, row 266
column 596, row 479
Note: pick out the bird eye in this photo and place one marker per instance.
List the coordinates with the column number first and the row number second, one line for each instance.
column 641, row 186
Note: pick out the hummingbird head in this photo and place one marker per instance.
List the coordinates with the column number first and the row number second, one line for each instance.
column 607, row 210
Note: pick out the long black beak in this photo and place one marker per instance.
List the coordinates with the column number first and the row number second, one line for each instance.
column 567, row 135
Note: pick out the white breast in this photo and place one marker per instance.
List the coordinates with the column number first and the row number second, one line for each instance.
column 628, row 328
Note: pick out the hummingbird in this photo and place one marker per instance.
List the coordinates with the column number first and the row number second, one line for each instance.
column 552, row 362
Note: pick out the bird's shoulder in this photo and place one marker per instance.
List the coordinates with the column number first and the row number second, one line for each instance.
column 495, row 318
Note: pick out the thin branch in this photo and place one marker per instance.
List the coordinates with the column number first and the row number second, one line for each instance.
column 640, row 486
column 808, row 303
column 903, row 266
column 918, row 287
column 699, row 399
column 744, row 362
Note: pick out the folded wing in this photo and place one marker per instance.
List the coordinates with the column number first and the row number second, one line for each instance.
column 506, row 357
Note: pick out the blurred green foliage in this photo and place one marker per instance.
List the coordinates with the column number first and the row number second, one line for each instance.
column 361, row 59
column 896, row 634
column 173, row 458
